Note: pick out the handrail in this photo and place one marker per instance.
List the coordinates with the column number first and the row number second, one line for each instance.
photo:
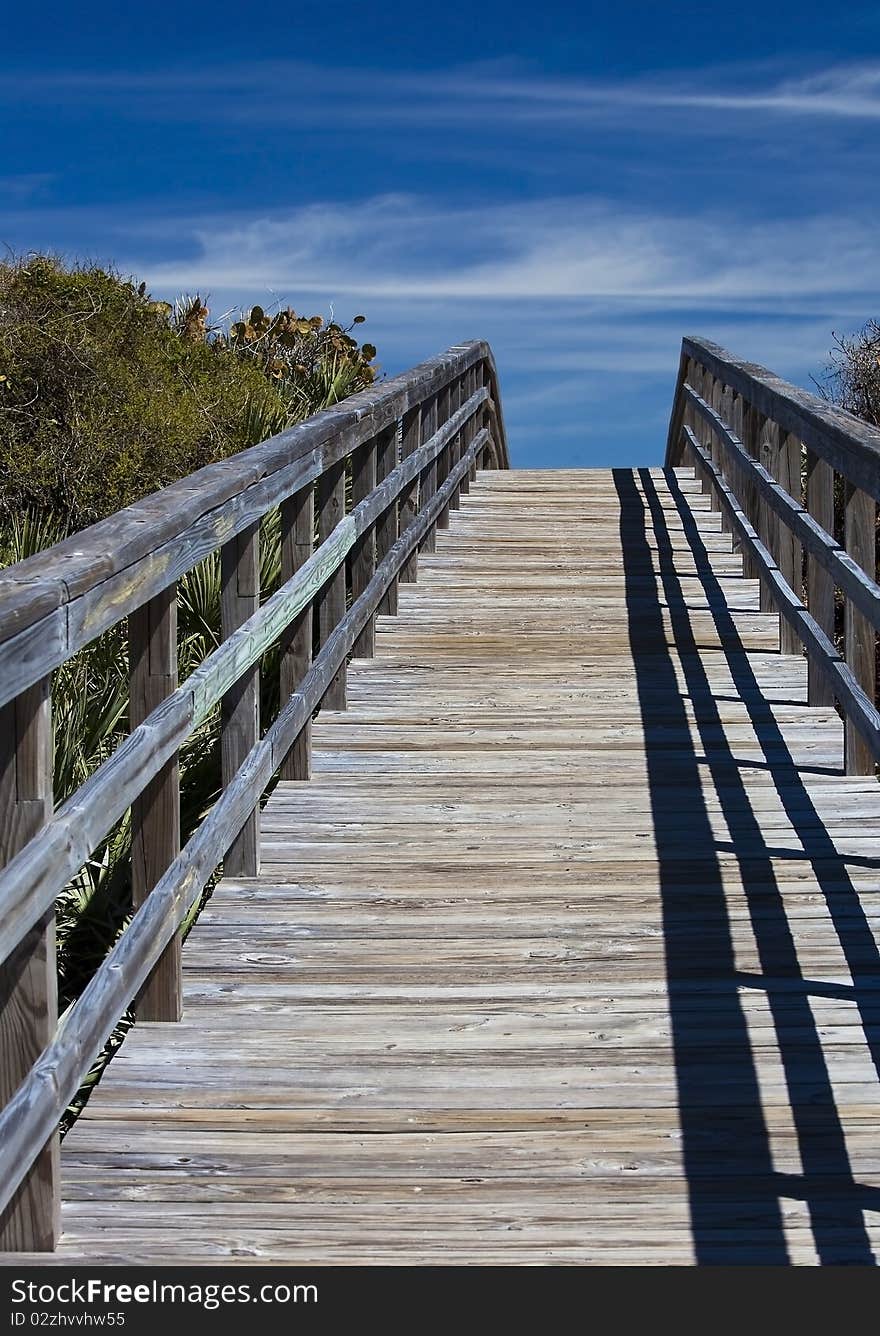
column 56, row 602
column 849, row 445
column 768, row 454
column 413, row 446
column 33, row 878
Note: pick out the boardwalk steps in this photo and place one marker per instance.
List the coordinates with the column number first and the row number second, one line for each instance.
column 557, row 938
column 567, row 952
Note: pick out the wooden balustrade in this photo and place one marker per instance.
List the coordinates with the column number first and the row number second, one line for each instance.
column 769, row 453
column 409, row 445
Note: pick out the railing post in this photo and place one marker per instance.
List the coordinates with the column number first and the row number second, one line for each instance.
column 363, row 556
column 702, row 383
column 725, row 408
column 484, row 381
column 750, row 435
column 453, row 450
column 428, row 480
column 860, row 516
column 240, row 707
column 444, row 412
column 331, row 599
column 768, row 524
column 790, row 556
column 297, row 545
column 464, row 440
column 470, row 431
column 688, row 416
column 28, row 978
column 459, row 395
column 155, row 815
column 409, row 497
column 387, row 525
column 820, row 585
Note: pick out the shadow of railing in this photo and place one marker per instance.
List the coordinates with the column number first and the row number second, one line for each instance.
column 734, row 1190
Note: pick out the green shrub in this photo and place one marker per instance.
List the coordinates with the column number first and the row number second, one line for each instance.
column 107, row 395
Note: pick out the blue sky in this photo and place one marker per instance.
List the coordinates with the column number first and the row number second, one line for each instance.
column 579, row 185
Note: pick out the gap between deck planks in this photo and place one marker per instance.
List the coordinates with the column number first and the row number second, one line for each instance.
column 568, row 952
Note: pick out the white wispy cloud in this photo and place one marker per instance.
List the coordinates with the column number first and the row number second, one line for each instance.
column 584, row 302
column 398, row 246
column 499, row 91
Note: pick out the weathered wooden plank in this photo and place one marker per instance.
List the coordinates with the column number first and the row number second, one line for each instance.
column 850, row 446
column 444, row 459
column 30, row 1116
column 28, row 975
column 860, row 640
column 806, row 529
column 330, row 601
column 790, row 556
column 495, row 971
column 297, row 547
column 467, row 382
column 155, row 814
column 363, row 555
column 458, row 395
column 718, row 451
column 29, row 885
column 700, row 382
column 387, row 531
column 680, row 414
column 408, row 506
column 766, row 451
column 428, row 477
column 820, row 581
column 240, row 705
column 859, row 708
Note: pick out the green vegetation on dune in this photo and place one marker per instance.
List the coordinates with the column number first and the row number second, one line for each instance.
column 106, row 396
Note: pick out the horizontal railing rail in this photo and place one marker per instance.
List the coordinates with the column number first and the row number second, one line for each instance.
column 769, row 454
column 411, row 447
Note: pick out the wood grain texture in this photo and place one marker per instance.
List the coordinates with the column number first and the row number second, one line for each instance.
column 788, row 473
column 458, row 395
column 297, row 546
column 444, row 461
column 799, row 528
column 408, row 506
column 330, row 601
column 30, row 1117
column 820, row 581
column 155, row 814
column 849, row 445
column 860, row 639
column 363, row 554
column 387, row 531
column 858, row 706
column 28, row 976
column 28, row 886
column 567, row 953
column 428, row 477
column 240, row 706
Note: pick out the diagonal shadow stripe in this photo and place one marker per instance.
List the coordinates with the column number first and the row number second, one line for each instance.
column 738, row 1131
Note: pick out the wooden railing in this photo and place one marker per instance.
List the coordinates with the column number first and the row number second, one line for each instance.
column 409, row 447
column 768, row 454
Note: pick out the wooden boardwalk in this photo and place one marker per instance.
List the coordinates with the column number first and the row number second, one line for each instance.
column 566, row 954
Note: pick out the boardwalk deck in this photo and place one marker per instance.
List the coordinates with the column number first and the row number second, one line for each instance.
column 568, row 952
